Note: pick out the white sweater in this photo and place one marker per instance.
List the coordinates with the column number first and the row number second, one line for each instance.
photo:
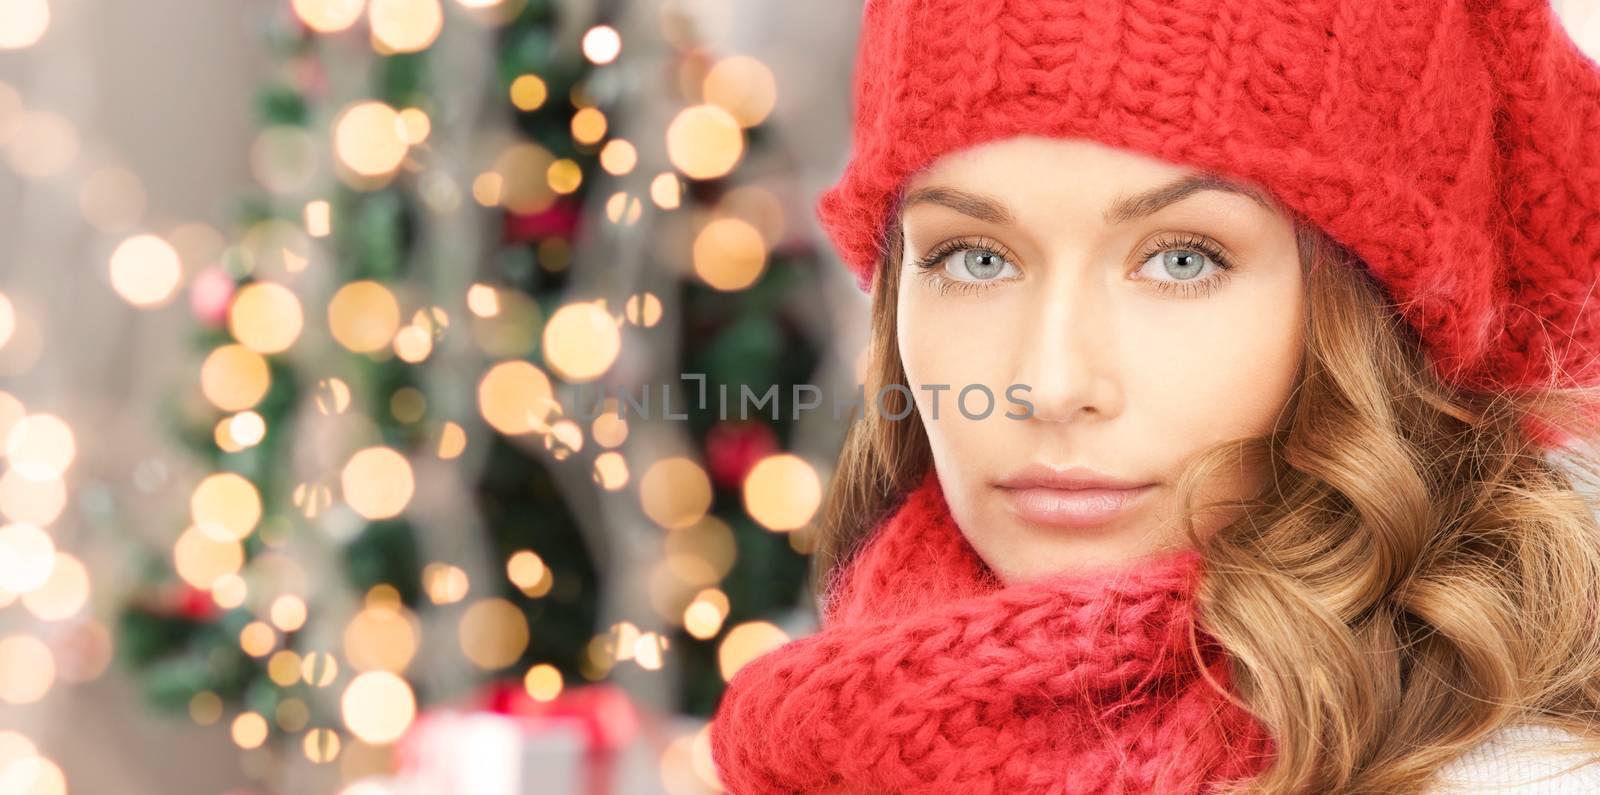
column 1521, row 759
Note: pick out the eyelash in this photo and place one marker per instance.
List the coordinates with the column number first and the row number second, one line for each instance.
column 927, row 265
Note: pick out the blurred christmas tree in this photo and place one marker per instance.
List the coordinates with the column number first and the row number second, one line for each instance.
column 393, row 472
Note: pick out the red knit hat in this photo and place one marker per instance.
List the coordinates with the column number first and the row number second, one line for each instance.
column 1453, row 145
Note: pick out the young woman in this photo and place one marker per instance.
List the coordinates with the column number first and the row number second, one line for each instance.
column 1236, row 372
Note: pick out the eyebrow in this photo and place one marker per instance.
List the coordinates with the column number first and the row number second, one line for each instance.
column 1121, row 211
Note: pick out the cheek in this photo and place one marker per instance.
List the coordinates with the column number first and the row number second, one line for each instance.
column 956, row 341
column 953, row 342
column 1230, row 370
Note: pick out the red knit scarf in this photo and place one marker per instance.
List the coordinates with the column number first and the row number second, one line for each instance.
column 932, row 676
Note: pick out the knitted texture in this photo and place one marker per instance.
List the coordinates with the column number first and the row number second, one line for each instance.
column 1450, row 144
column 931, row 676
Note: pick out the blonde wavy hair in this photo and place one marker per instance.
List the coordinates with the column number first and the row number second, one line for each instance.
column 1419, row 572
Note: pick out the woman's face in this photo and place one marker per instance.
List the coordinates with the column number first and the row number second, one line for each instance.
column 1139, row 311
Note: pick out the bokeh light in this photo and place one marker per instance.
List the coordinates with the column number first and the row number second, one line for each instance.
column 675, row 492
column 377, row 482
column 581, row 341
column 746, row 642
column 704, row 141
column 265, row 317
column 782, row 492
column 378, row 707
column 145, row 271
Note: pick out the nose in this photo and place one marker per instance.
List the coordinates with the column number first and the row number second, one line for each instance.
column 1067, row 356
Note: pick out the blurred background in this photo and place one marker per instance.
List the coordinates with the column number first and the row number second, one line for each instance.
column 351, row 363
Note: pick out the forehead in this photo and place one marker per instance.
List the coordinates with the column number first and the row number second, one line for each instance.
column 1038, row 180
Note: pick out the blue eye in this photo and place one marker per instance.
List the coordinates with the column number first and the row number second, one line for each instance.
column 967, row 264
column 1182, row 263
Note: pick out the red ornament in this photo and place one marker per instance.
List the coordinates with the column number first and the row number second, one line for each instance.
column 559, row 220
column 194, row 604
column 733, row 447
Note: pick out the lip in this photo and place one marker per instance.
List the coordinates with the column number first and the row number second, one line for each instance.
column 1078, row 497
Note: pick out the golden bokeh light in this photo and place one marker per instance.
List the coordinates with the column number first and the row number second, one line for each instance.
column 602, row 44
column 319, row 218
column 63, row 594
column 782, row 492
column 321, row 745
column 610, row 471
column 257, row 639
column 746, row 642
column 381, row 638
column 23, row 23
column 609, row 428
column 283, row 668
column 405, row 25
column 581, row 341
column 624, row 208
column 675, row 492
column 333, row 396
column 445, row 583
column 415, row 126
column 27, row 669
column 493, row 633
column 249, row 730
column 145, row 271
column 265, row 317
column 729, row 254
column 319, row 669
column 564, row 176
column 378, row 707
column 666, row 191
column 247, row 428
column 413, row 344
column 744, row 87
column 367, row 136
column 40, row 446
column 516, row 397
column 27, row 556
column 328, row 16
column 377, row 482
column 704, row 141
column 364, row 316
column 225, row 506
column 643, row 309
column 704, row 616
column 543, row 682
column 564, row 439
column 288, row 612
column 452, row 441
column 33, row 775
column 201, row 559
column 588, row 125
column 483, row 301
column 525, row 569
column 528, row 92
column 234, row 378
